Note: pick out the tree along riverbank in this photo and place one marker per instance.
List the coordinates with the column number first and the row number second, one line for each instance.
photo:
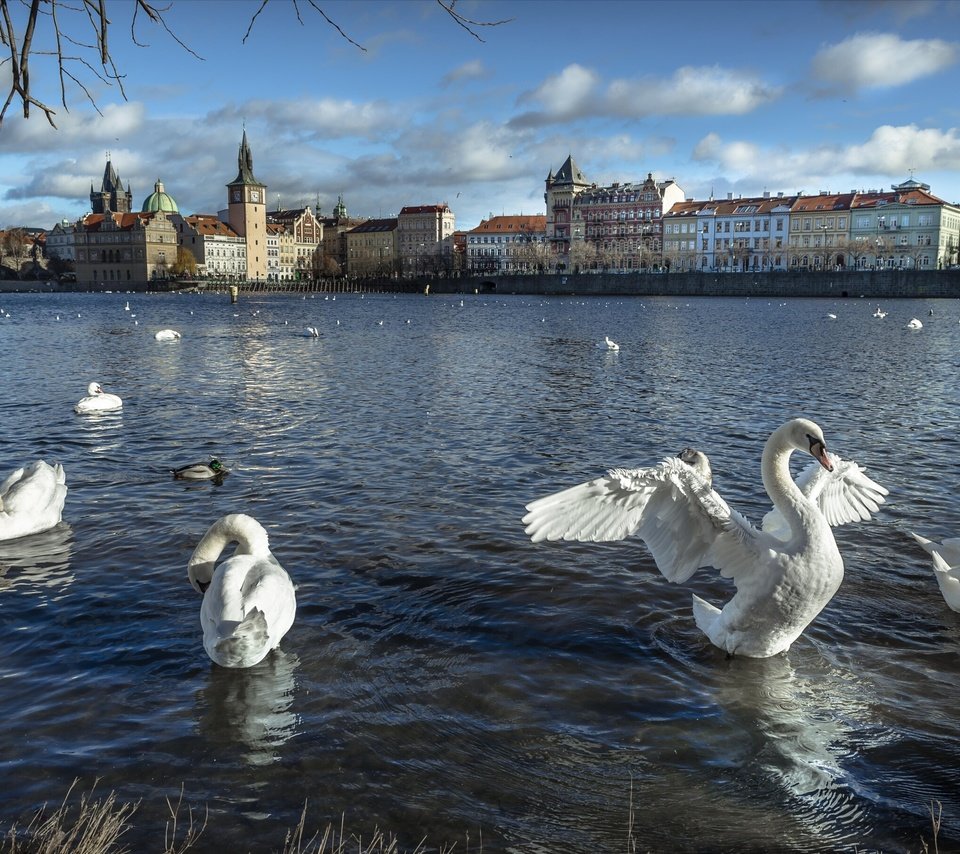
column 870, row 284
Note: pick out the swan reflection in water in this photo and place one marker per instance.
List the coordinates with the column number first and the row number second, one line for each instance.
column 806, row 725
column 38, row 564
column 252, row 706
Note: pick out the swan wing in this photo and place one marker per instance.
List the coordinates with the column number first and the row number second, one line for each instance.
column 949, row 549
column 684, row 523
column 843, row 495
column 948, row 577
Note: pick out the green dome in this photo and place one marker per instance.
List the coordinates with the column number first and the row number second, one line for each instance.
column 158, row 200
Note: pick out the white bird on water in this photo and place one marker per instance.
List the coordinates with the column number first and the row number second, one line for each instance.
column 167, row 335
column 784, row 573
column 249, row 602
column 97, row 400
column 31, row 500
column 311, row 332
column 607, row 344
column 946, row 566
column 914, row 324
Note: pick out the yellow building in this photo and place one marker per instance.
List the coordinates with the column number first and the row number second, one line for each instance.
column 247, row 212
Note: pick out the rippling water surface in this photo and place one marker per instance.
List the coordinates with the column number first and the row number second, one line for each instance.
column 445, row 677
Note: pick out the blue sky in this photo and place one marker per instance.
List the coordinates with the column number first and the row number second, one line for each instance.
column 736, row 97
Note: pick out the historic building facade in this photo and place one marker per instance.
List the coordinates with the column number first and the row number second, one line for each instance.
column 425, row 238
column 112, row 196
column 305, row 237
column 372, row 248
column 124, row 248
column 218, row 250
column 509, row 244
column 614, row 227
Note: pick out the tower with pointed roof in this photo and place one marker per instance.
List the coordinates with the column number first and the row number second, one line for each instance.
column 247, row 212
column 112, row 197
column 561, row 190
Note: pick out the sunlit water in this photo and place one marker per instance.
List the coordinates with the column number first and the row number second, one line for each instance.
column 445, row 677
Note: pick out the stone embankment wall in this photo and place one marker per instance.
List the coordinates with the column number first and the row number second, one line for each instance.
column 871, row 284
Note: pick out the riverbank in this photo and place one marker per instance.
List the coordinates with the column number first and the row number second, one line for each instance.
column 869, row 284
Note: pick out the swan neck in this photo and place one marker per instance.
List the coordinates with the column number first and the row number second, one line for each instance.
column 245, row 531
column 775, row 469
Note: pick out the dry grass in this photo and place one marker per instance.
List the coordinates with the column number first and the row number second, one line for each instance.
column 936, row 818
column 97, row 826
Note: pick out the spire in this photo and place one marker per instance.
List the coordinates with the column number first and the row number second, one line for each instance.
column 245, row 164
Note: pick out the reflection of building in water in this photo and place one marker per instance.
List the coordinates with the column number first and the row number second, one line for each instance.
column 252, row 706
column 38, row 564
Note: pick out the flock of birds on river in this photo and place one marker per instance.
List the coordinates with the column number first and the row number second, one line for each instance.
column 785, row 572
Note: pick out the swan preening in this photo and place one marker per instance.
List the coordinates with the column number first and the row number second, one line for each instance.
column 914, row 324
column 311, row 332
column 248, row 600
column 166, row 334
column 31, row 500
column 97, row 400
column 785, row 572
column 607, row 344
column 201, row 471
column 946, row 566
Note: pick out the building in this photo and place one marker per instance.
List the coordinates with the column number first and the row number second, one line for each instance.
column 906, row 228
column 509, row 244
column 425, row 238
column 219, row 252
column 372, row 248
column 125, row 248
column 620, row 227
column 615, row 227
column 333, row 260
column 247, row 212
column 305, row 234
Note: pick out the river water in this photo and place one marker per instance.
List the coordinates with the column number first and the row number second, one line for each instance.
column 446, row 678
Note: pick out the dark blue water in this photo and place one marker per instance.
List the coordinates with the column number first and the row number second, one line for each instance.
column 445, row 677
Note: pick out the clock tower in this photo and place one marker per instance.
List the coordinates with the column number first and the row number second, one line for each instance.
column 247, row 212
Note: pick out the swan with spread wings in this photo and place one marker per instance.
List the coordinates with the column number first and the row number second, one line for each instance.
column 785, row 572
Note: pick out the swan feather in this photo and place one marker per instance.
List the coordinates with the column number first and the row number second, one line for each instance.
column 782, row 583
column 31, row 499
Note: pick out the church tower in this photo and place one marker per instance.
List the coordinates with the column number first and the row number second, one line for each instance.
column 247, row 212
column 112, row 196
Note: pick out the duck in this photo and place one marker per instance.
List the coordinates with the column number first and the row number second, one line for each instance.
column 31, row 499
column 165, row 334
column 97, row 400
column 946, row 567
column 914, row 324
column 201, row 471
column 249, row 601
column 607, row 344
column 783, row 581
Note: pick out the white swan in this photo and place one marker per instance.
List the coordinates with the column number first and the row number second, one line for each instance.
column 946, row 566
column 880, row 314
column 914, row 324
column 248, row 600
column 97, row 400
column 166, row 334
column 607, row 344
column 311, row 332
column 31, row 500
column 782, row 584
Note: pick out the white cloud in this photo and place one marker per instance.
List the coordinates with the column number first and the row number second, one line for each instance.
column 889, row 154
column 577, row 93
column 880, row 61
column 699, row 91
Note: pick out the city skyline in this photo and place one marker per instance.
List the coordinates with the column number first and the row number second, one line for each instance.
column 739, row 98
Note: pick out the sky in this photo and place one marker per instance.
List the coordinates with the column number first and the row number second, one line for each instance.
column 408, row 107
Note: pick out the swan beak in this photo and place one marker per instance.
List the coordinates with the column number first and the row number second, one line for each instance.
column 819, row 452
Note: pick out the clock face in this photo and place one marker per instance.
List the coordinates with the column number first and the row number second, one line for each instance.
column 236, row 195
column 254, row 195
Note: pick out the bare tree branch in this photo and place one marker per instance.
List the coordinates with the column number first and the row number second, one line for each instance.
column 466, row 23
column 86, row 25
